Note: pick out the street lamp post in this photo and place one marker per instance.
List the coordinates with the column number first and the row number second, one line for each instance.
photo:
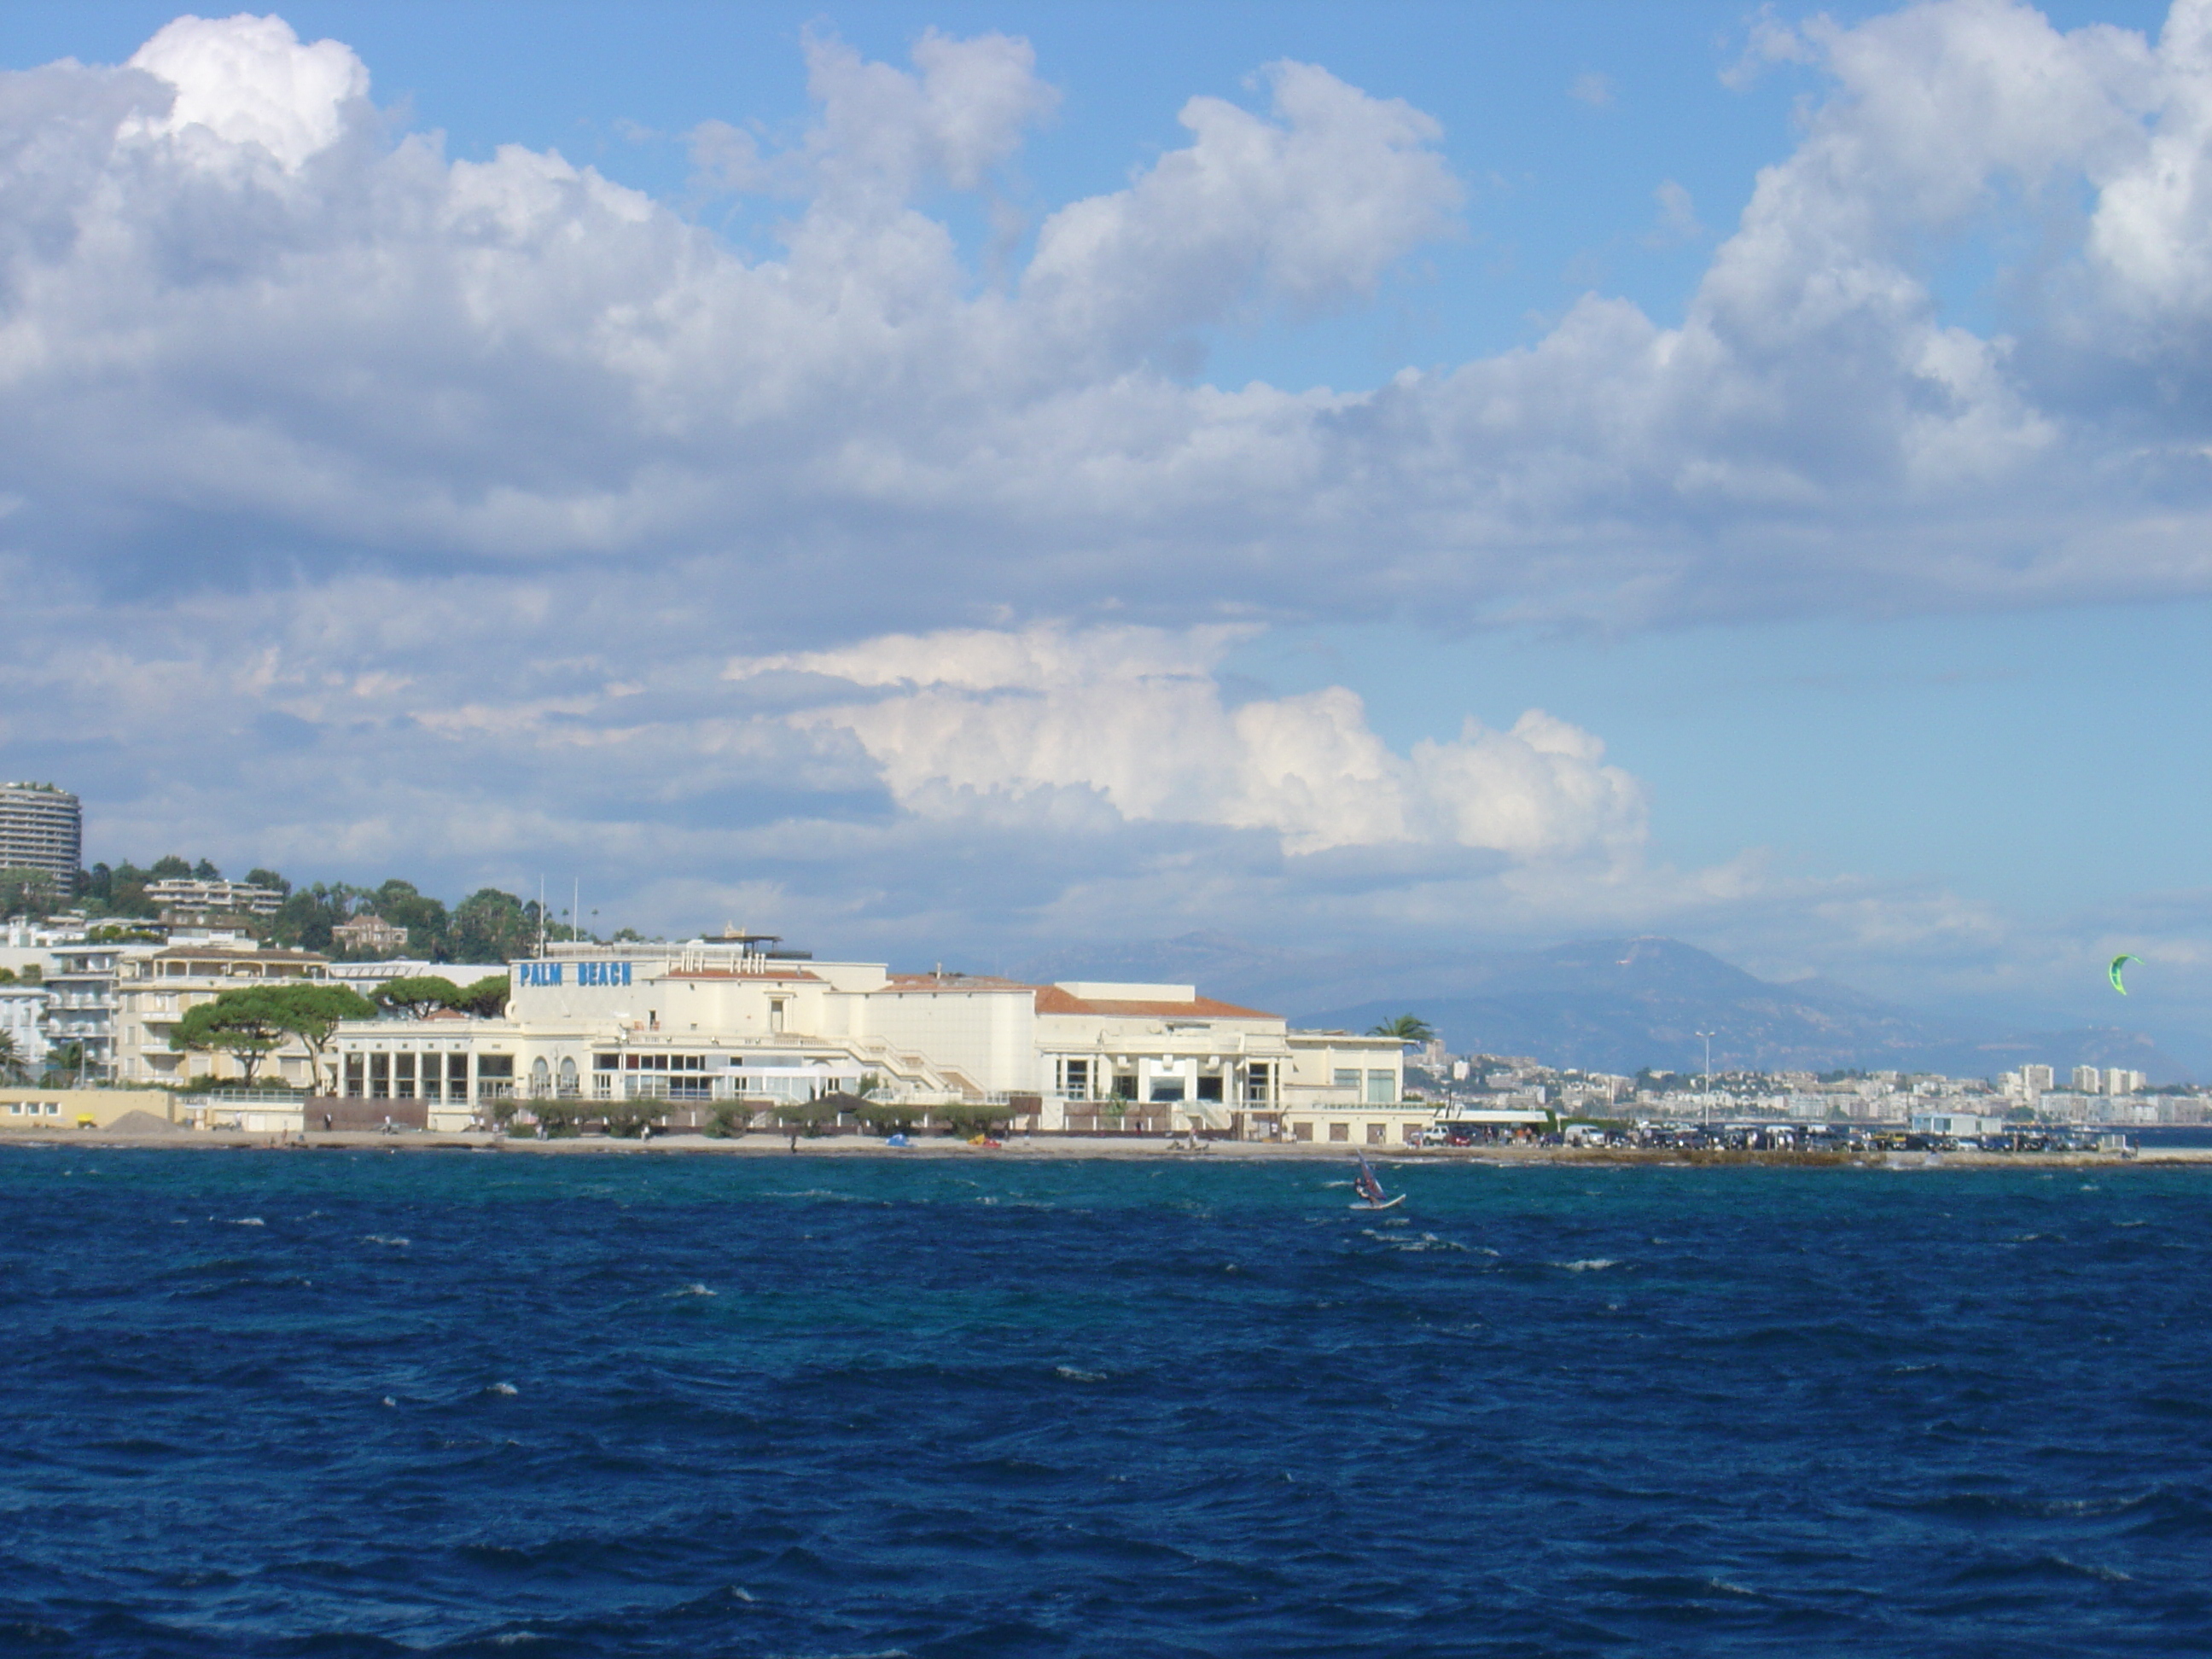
column 1706, row 1102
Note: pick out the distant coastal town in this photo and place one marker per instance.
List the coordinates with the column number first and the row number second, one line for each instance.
column 171, row 999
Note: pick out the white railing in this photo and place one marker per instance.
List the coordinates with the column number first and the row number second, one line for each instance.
column 914, row 1069
column 1298, row 1095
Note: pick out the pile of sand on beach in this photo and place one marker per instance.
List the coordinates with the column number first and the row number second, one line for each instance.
column 142, row 1122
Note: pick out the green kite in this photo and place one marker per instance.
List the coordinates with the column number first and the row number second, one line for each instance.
column 2113, row 973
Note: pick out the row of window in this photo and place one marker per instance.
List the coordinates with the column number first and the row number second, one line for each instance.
column 1076, row 1079
column 421, row 1077
column 382, row 1076
column 409, row 1076
column 1089, row 1080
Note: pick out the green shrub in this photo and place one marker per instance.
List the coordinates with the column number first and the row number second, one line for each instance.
column 967, row 1121
column 888, row 1117
column 560, row 1119
column 810, row 1117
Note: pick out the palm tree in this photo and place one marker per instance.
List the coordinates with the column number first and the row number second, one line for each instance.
column 11, row 1058
column 1407, row 1028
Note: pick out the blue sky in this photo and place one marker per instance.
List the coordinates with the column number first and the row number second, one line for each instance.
column 2031, row 758
column 1003, row 504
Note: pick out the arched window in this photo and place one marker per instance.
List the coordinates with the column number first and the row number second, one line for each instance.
column 541, row 1077
column 568, row 1090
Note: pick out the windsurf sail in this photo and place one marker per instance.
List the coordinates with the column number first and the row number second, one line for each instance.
column 1370, row 1188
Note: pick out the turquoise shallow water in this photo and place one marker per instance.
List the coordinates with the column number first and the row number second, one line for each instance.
column 338, row 1404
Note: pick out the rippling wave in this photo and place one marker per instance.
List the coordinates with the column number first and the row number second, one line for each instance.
column 340, row 1404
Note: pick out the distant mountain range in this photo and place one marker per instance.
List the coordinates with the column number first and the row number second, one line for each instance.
column 1608, row 1006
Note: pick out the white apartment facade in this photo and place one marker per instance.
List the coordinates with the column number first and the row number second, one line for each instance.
column 189, row 899
column 82, row 1009
column 722, row 1022
column 23, row 1021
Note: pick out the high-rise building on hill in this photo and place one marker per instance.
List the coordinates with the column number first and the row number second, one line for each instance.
column 41, row 828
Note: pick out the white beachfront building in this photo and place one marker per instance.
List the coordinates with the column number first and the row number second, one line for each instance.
column 728, row 1022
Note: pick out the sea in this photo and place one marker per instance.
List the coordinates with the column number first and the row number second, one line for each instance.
column 375, row 1403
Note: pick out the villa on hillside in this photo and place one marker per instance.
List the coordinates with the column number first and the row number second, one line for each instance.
column 369, row 934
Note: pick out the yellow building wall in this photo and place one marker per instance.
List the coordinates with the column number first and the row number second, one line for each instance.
column 1367, row 1129
column 71, row 1106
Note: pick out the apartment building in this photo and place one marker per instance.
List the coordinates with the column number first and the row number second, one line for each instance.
column 23, row 1021
column 153, row 991
column 41, row 828
column 82, row 1009
column 186, row 899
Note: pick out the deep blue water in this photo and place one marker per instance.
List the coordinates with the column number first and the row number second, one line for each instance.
column 332, row 1404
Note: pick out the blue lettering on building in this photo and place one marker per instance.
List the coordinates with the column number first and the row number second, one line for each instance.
column 587, row 973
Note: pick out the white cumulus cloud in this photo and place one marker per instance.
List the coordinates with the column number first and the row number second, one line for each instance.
column 1139, row 715
column 247, row 80
column 240, row 313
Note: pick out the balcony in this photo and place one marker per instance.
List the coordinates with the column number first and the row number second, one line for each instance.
column 660, row 1086
column 1309, row 1097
